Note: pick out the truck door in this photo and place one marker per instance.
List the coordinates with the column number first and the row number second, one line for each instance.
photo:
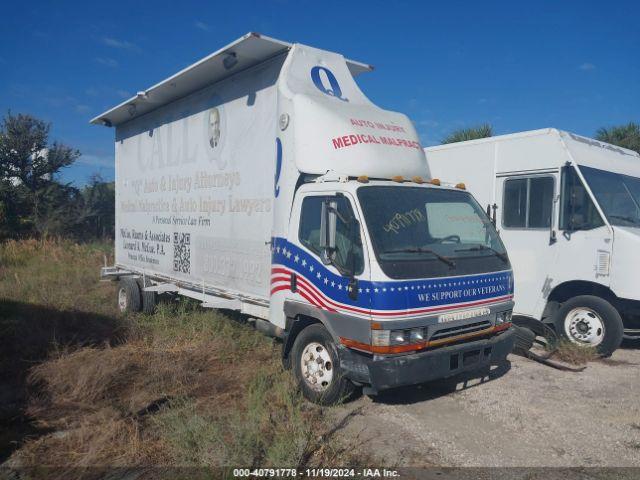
column 333, row 284
column 526, row 217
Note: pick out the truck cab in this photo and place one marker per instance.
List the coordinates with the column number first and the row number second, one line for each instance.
column 409, row 279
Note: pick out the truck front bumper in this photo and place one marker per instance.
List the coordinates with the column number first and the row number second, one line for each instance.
column 382, row 373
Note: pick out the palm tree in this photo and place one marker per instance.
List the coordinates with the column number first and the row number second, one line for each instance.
column 626, row 136
column 472, row 133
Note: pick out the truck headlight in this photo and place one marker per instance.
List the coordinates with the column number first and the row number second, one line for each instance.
column 397, row 337
column 417, row 335
column 503, row 317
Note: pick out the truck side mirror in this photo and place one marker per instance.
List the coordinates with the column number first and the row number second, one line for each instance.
column 328, row 230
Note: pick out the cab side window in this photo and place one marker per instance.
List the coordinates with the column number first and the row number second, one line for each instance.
column 528, row 202
column 348, row 253
column 309, row 232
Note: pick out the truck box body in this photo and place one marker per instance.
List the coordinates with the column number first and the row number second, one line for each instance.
column 220, row 168
column 553, row 260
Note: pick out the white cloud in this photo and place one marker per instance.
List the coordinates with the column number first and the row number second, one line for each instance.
column 82, row 108
column 107, row 62
column 202, row 26
column 587, row 66
column 121, row 44
column 123, row 93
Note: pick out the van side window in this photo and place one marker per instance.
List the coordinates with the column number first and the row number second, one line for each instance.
column 578, row 211
column 528, row 202
column 515, row 203
column 348, row 241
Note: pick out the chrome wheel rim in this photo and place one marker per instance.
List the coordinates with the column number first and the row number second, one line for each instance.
column 584, row 326
column 122, row 300
column 316, row 367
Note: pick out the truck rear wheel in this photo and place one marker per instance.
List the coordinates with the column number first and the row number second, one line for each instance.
column 316, row 367
column 129, row 299
column 149, row 299
column 592, row 322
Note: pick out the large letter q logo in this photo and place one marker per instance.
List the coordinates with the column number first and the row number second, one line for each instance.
column 334, row 88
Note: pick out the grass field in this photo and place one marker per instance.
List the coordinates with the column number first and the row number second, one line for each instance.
column 83, row 386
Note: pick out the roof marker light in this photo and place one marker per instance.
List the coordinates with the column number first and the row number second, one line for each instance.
column 435, row 181
column 398, row 178
column 417, row 179
column 363, row 179
column 461, row 186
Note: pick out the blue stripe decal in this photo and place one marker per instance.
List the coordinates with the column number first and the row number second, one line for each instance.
column 392, row 295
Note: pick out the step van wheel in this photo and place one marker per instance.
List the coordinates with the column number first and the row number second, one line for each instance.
column 316, row 367
column 590, row 321
column 129, row 298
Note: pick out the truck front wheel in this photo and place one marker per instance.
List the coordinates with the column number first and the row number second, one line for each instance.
column 592, row 322
column 316, row 367
column 129, row 299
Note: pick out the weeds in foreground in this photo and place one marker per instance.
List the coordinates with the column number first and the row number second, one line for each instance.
column 182, row 387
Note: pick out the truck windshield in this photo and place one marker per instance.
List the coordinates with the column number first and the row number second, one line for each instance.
column 617, row 194
column 421, row 232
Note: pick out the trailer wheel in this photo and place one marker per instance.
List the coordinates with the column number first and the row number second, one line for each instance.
column 129, row 299
column 592, row 322
column 316, row 367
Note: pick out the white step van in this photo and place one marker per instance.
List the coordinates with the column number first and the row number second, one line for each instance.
column 261, row 179
column 568, row 209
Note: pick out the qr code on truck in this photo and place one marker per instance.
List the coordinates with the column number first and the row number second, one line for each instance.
column 182, row 252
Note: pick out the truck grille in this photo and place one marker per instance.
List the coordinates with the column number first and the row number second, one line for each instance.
column 460, row 330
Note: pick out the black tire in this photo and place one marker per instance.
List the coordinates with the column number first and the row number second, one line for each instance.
column 339, row 388
column 524, row 340
column 530, row 332
column 605, row 312
column 149, row 300
column 128, row 298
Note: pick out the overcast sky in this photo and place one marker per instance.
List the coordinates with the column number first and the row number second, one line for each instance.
column 516, row 65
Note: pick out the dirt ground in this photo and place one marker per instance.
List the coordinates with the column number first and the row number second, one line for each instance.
column 524, row 414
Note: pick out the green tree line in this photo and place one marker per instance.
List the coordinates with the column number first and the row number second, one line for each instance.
column 33, row 202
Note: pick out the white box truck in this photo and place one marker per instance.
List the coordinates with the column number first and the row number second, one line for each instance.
column 261, row 179
column 568, row 209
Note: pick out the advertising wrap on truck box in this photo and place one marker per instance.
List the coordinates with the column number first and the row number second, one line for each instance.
column 194, row 184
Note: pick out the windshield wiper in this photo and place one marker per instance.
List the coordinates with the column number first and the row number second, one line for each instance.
column 446, row 260
column 500, row 255
column 631, row 220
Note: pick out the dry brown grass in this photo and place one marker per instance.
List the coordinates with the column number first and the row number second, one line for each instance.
column 182, row 387
column 575, row 354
